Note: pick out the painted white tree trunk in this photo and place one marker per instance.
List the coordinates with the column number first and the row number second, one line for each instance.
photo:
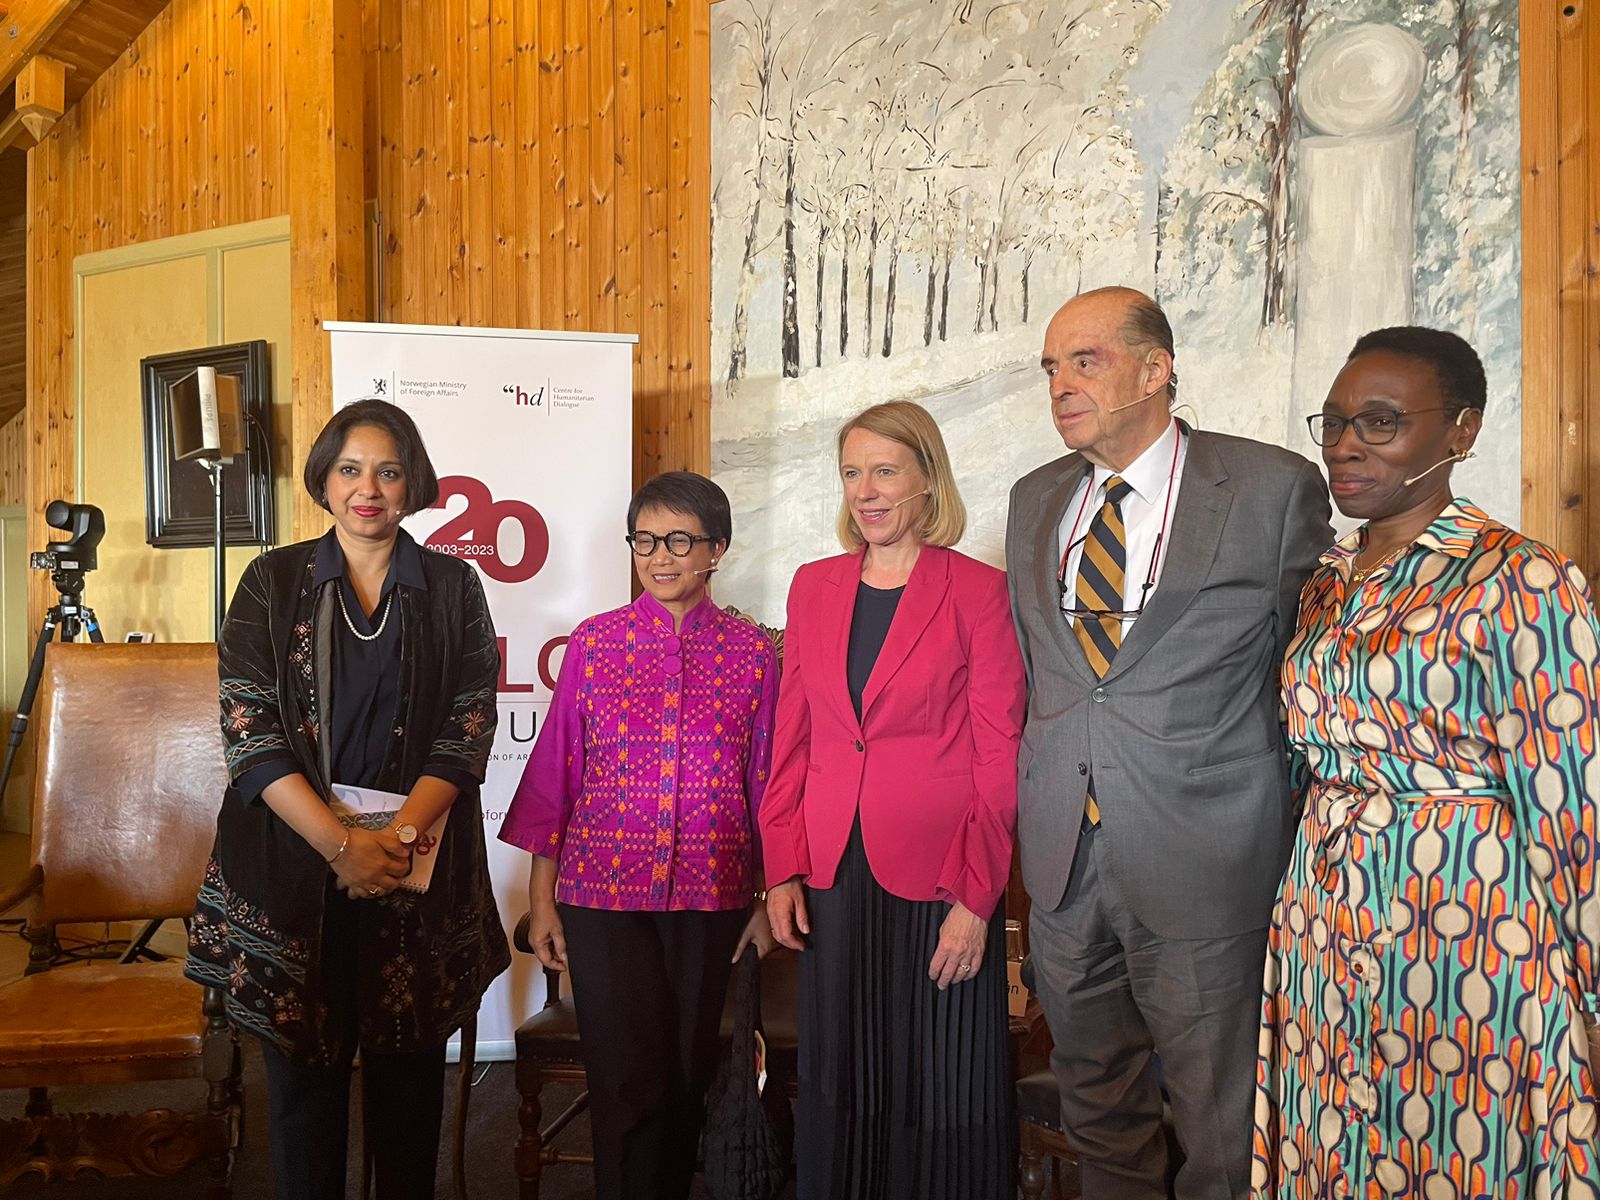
column 1355, row 233
column 1354, row 218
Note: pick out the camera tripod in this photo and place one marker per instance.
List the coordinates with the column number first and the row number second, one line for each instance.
column 69, row 617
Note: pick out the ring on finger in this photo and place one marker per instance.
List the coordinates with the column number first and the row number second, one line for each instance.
column 965, row 967
column 373, row 891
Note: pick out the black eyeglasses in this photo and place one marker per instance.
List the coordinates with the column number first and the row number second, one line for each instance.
column 679, row 542
column 1108, row 614
column 1375, row 427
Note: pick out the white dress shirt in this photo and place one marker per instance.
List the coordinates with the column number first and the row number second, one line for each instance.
column 1153, row 476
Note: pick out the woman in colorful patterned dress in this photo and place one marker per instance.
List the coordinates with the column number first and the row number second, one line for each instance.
column 1433, row 955
column 639, row 806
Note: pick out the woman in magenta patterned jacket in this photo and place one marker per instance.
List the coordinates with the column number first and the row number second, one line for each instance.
column 639, row 806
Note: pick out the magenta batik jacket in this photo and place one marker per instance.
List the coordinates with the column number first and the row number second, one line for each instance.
column 646, row 778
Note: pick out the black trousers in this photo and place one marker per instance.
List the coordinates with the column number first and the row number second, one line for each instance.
column 649, row 989
column 402, row 1096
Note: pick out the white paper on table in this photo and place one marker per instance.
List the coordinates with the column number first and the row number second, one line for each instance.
column 369, row 808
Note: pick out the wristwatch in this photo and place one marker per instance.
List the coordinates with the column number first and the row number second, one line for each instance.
column 406, row 832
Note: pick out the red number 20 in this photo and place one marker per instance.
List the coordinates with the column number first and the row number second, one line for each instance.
column 474, row 533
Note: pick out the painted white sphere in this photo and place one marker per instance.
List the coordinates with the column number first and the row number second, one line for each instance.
column 1361, row 79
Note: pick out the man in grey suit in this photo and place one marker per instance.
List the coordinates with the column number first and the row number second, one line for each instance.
column 1155, row 574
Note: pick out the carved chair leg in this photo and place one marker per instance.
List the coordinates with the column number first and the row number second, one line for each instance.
column 222, row 1066
column 530, row 1143
column 38, row 1103
column 42, row 947
column 469, row 1055
column 1030, row 1173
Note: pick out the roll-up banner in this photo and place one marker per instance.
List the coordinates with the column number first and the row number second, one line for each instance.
column 531, row 435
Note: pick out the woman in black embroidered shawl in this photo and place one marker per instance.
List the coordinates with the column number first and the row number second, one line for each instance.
column 358, row 659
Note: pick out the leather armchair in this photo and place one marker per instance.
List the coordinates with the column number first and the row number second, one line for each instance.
column 129, row 776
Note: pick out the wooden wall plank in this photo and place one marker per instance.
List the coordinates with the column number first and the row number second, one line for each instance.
column 503, row 235
column 1572, row 186
column 453, row 232
column 13, row 464
column 387, row 66
column 327, row 238
column 651, row 392
column 13, row 288
column 1560, row 102
column 552, row 156
column 602, row 177
column 477, row 113
column 530, row 192
column 1581, row 286
column 579, row 151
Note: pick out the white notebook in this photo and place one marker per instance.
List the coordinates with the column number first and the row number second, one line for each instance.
column 368, row 808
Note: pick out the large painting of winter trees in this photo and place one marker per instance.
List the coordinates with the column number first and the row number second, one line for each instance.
column 906, row 190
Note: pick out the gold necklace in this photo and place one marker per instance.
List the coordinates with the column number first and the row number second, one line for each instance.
column 1360, row 575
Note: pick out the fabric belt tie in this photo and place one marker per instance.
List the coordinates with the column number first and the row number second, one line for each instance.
column 1345, row 808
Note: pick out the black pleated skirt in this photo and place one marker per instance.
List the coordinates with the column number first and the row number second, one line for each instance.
column 905, row 1091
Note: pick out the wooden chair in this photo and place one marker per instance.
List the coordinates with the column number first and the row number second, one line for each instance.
column 129, row 774
column 1043, row 1152
column 1040, row 1142
column 549, row 1051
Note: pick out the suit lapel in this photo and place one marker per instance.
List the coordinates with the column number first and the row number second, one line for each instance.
column 1198, row 516
column 840, row 603
column 1045, row 569
column 925, row 591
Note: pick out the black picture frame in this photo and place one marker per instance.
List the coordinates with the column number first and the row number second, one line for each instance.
column 179, row 505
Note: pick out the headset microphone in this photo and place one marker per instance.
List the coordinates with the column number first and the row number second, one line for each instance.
column 1116, row 408
column 1460, row 456
column 705, row 570
column 913, row 496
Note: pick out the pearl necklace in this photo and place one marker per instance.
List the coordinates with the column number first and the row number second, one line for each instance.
column 351, row 625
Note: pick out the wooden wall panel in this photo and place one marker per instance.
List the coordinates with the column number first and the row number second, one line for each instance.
column 13, row 463
column 185, row 132
column 327, row 242
column 539, row 163
column 1561, row 277
column 546, row 164
column 13, row 276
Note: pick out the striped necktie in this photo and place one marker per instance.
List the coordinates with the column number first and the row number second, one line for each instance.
column 1101, row 570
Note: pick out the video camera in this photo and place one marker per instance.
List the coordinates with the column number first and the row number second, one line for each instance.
column 68, row 560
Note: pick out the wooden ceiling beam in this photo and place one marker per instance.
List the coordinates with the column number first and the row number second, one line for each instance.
column 41, row 94
column 26, row 29
column 14, row 134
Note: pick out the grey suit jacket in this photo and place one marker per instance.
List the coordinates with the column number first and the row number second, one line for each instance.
column 1182, row 737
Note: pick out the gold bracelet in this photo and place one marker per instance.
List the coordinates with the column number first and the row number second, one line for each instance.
column 762, row 895
column 341, row 849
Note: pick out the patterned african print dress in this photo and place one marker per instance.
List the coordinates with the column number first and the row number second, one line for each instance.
column 1437, row 932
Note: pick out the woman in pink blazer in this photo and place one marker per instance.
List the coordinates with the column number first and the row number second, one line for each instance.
column 887, row 830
